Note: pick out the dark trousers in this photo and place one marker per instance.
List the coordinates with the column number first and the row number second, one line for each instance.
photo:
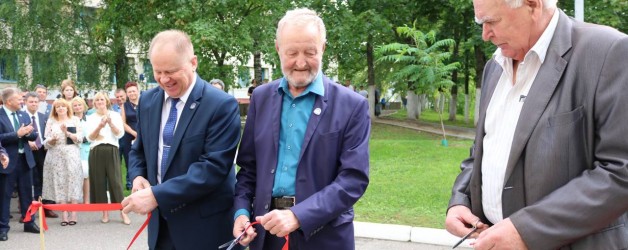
column 164, row 242
column 22, row 175
column 38, row 172
column 104, row 174
column 274, row 242
column 125, row 148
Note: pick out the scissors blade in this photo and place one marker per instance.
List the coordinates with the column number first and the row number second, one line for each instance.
column 228, row 243
column 465, row 237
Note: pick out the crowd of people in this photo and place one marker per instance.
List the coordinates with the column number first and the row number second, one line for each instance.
column 67, row 153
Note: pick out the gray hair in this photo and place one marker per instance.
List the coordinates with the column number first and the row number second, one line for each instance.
column 547, row 4
column 180, row 40
column 303, row 17
column 8, row 93
column 219, row 82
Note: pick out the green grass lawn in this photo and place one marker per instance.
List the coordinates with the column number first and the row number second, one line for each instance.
column 432, row 116
column 411, row 176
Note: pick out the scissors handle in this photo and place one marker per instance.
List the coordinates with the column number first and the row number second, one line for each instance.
column 230, row 244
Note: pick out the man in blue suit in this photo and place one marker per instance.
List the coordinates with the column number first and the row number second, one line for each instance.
column 15, row 133
column 182, row 161
column 38, row 121
column 304, row 154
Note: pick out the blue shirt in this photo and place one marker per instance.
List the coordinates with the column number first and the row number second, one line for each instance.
column 295, row 114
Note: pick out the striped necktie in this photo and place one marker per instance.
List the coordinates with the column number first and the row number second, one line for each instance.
column 168, row 134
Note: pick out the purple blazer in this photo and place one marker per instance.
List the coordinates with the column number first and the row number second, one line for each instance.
column 333, row 170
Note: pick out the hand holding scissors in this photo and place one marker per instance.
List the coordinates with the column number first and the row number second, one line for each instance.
column 473, row 230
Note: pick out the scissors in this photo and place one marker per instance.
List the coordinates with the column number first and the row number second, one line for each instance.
column 230, row 244
column 473, row 230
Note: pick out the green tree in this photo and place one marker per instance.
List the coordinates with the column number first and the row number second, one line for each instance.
column 422, row 66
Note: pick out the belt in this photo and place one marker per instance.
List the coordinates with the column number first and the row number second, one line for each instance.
column 282, row 202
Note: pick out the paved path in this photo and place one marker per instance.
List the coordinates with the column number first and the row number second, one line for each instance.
column 450, row 131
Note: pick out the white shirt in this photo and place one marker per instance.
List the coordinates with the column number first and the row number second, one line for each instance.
column 502, row 116
column 40, row 132
column 11, row 117
column 165, row 111
column 108, row 137
column 43, row 106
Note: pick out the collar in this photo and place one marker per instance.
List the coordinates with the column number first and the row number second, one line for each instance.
column 315, row 86
column 184, row 97
column 540, row 47
column 8, row 111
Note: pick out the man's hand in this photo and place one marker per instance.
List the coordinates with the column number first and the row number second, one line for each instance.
column 4, row 159
column 32, row 145
column 460, row 221
column 279, row 222
column 502, row 235
column 139, row 183
column 24, row 130
column 142, row 200
column 239, row 225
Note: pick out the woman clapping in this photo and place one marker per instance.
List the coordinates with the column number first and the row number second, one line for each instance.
column 105, row 128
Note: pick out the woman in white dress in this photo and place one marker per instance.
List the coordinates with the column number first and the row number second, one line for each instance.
column 62, row 166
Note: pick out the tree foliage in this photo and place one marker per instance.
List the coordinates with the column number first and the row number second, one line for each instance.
column 422, row 63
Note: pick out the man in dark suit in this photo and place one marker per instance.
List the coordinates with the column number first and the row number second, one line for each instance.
column 304, row 153
column 38, row 121
column 549, row 167
column 182, row 161
column 15, row 133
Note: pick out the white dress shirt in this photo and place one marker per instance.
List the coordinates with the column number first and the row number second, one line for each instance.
column 502, row 116
column 165, row 111
column 41, row 130
column 108, row 137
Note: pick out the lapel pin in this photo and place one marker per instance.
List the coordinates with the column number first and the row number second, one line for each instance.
column 193, row 106
column 317, row 111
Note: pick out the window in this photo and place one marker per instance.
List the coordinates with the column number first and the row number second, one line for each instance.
column 8, row 66
column 148, row 72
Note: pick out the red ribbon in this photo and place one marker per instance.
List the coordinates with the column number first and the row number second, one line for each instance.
column 79, row 208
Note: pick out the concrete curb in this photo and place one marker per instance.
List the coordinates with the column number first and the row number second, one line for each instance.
column 408, row 234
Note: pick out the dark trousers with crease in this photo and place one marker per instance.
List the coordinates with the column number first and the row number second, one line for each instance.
column 22, row 175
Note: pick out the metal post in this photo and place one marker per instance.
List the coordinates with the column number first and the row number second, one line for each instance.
column 579, row 9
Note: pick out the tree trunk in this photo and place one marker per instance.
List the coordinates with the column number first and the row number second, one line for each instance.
column 453, row 107
column 412, row 105
column 480, row 62
column 441, row 105
column 121, row 61
column 257, row 66
column 371, row 75
column 467, row 79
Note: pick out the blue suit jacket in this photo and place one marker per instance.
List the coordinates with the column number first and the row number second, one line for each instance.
column 333, row 168
column 9, row 139
column 196, row 193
